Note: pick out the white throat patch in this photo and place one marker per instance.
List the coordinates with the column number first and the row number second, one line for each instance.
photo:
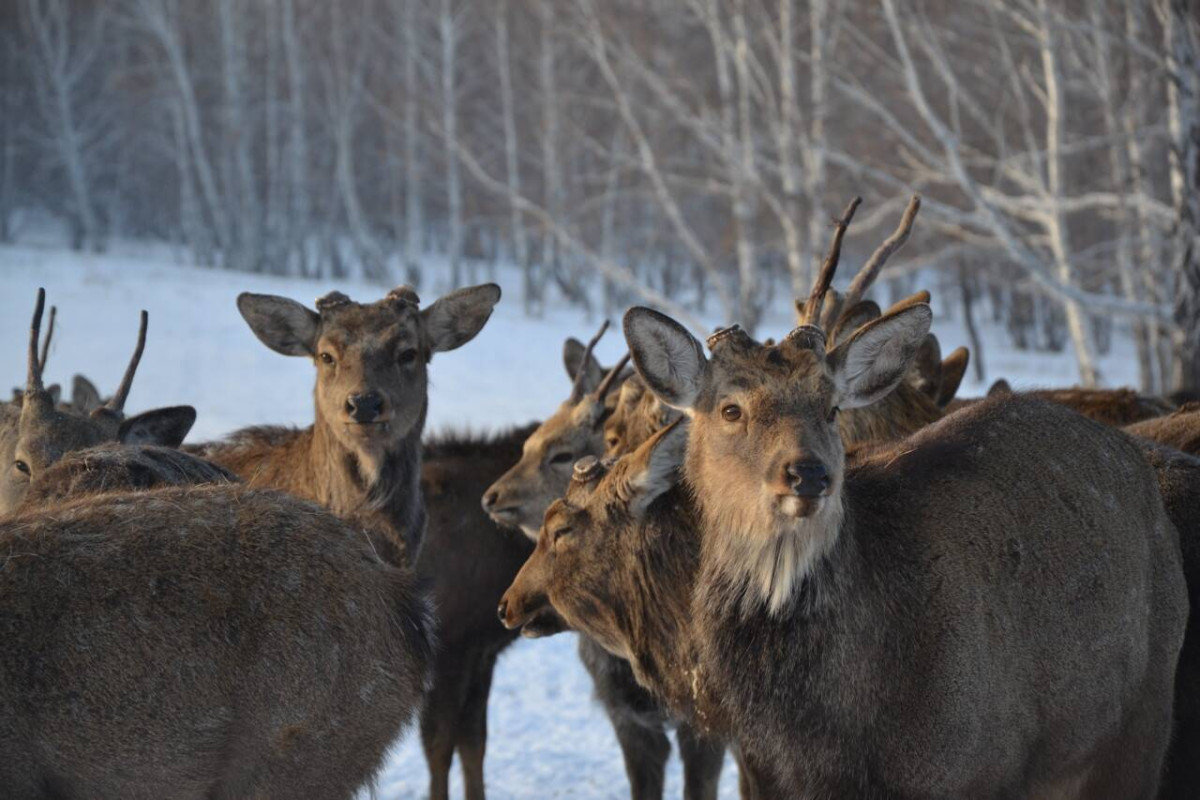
column 769, row 566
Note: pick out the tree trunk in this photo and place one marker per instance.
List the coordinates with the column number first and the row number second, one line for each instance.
column 520, row 241
column 300, row 205
column 414, row 224
column 450, row 139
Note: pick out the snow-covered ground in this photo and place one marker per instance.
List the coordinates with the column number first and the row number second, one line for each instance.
column 547, row 738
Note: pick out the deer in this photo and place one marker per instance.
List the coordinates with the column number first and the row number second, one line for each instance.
column 201, row 641
column 1115, row 407
column 519, row 499
column 361, row 457
column 467, row 561
column 37, row 435
column 1179, row 429
column 832, row 605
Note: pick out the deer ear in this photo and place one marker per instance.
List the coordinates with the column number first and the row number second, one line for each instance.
column 455, row 319
column 281, row 324
column 927, row 367
column 165, row 427
column 868, row 365
column 85, row 397
column 954, row 367
column 670, row 360
column 573, row 352
column 55, row 392
column 1000, row 388
column 654, row 467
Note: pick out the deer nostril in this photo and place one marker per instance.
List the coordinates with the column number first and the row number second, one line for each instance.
column 490, row 499
column 364, row 407
column 502, row 610
column 807, row 478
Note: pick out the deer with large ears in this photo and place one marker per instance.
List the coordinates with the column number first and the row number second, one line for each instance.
column 992, row 608
column 361, row 458
column 39, row 434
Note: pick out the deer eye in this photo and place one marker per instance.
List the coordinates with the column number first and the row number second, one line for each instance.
column 561, row 532
column 326, row 359
column 731, row 413
column 833, row 412
column 562, row 458
column 612, row 442
column 407, row 357
column 21, row 466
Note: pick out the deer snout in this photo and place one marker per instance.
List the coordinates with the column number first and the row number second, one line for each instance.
column 502, row 610
column 364, row 407
column 806, row 478
column 490, row 499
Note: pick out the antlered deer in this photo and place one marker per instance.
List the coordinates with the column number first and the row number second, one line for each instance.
column 361, row 458
column 40, row 434
column 992, row 608
column 520, row 498
column 211, row 641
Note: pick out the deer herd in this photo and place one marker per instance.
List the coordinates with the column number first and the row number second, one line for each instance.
column 806, row 552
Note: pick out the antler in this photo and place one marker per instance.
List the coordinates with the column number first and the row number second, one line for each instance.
column 577, row 387
column 46, row 341
column 33, row 379
column 811, row 310
column 117, row 402
column 610, row 379
column 870, row 270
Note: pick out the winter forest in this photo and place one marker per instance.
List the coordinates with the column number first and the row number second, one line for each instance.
column 686, row 153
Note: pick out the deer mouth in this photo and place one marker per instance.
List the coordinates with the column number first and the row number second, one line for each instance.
column 509, row 516
column 797, row 506
column 544, row 623
column 368, row 429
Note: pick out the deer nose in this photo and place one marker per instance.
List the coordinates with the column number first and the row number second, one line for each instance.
column 490, row 499
column 807, row 478
column 502, row 609
column 364, row 407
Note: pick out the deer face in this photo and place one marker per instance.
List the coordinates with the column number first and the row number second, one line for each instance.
column 637, row 416
column 590, row 544
column 371, row 359
column 40, row 434
column 765, row 458
column 521, row 496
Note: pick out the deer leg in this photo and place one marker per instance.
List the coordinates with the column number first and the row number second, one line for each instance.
column 702, row 761
column 646, row 750
column 472, row 729
column 439, row 729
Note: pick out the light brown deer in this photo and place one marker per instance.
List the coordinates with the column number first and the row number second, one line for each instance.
column 40, row 434
column 519, row 499
column 952, row 617
column 211, row 641
column 361, row 458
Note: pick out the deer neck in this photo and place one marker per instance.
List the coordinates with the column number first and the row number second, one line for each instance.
column 758, row 563
column 371, row 486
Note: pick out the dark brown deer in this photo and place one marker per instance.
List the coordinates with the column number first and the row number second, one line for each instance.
column 1115, row 407
column 213, row 641
column 41, row 433
column 987, row 562
column 467, row 561
column 1180, row 429
column 520, row 499
column 361, row 458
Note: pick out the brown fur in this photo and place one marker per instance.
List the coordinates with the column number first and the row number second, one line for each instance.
column 112, row 468
column 1180, row 430
column 209, row 642
column 940, row 569
column 1115, row 407
column 362, row 465
column 468, row 562
column 520, row 498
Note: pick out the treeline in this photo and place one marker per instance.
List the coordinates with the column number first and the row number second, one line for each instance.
column 681, row 151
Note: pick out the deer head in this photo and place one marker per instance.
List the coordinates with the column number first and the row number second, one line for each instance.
column 520, row 497
column 44, row 433
column 591, row 545
column 371, row 358
column 765, row 457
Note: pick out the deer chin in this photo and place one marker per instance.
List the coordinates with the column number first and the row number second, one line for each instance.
column 796, row 507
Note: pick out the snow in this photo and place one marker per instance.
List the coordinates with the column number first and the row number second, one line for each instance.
column 547, row 738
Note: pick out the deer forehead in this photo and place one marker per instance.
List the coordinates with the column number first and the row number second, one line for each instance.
column 778, row 377
column 376, row 325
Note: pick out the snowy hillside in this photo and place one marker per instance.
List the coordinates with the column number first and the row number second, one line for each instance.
column 547, row 738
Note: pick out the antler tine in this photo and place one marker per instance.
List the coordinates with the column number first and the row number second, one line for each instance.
column 611, row 378
column 577, row 387
column 812, row 307
column 870, row 270
column 33, row 379
column 46, row 341
column 117, row 403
